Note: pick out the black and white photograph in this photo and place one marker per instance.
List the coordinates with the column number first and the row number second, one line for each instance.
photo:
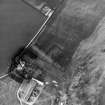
column 52, row 52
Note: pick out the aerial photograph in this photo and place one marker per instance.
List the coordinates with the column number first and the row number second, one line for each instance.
column 52, row 52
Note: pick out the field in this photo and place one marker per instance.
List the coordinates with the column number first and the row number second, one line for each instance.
column 18, row 23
